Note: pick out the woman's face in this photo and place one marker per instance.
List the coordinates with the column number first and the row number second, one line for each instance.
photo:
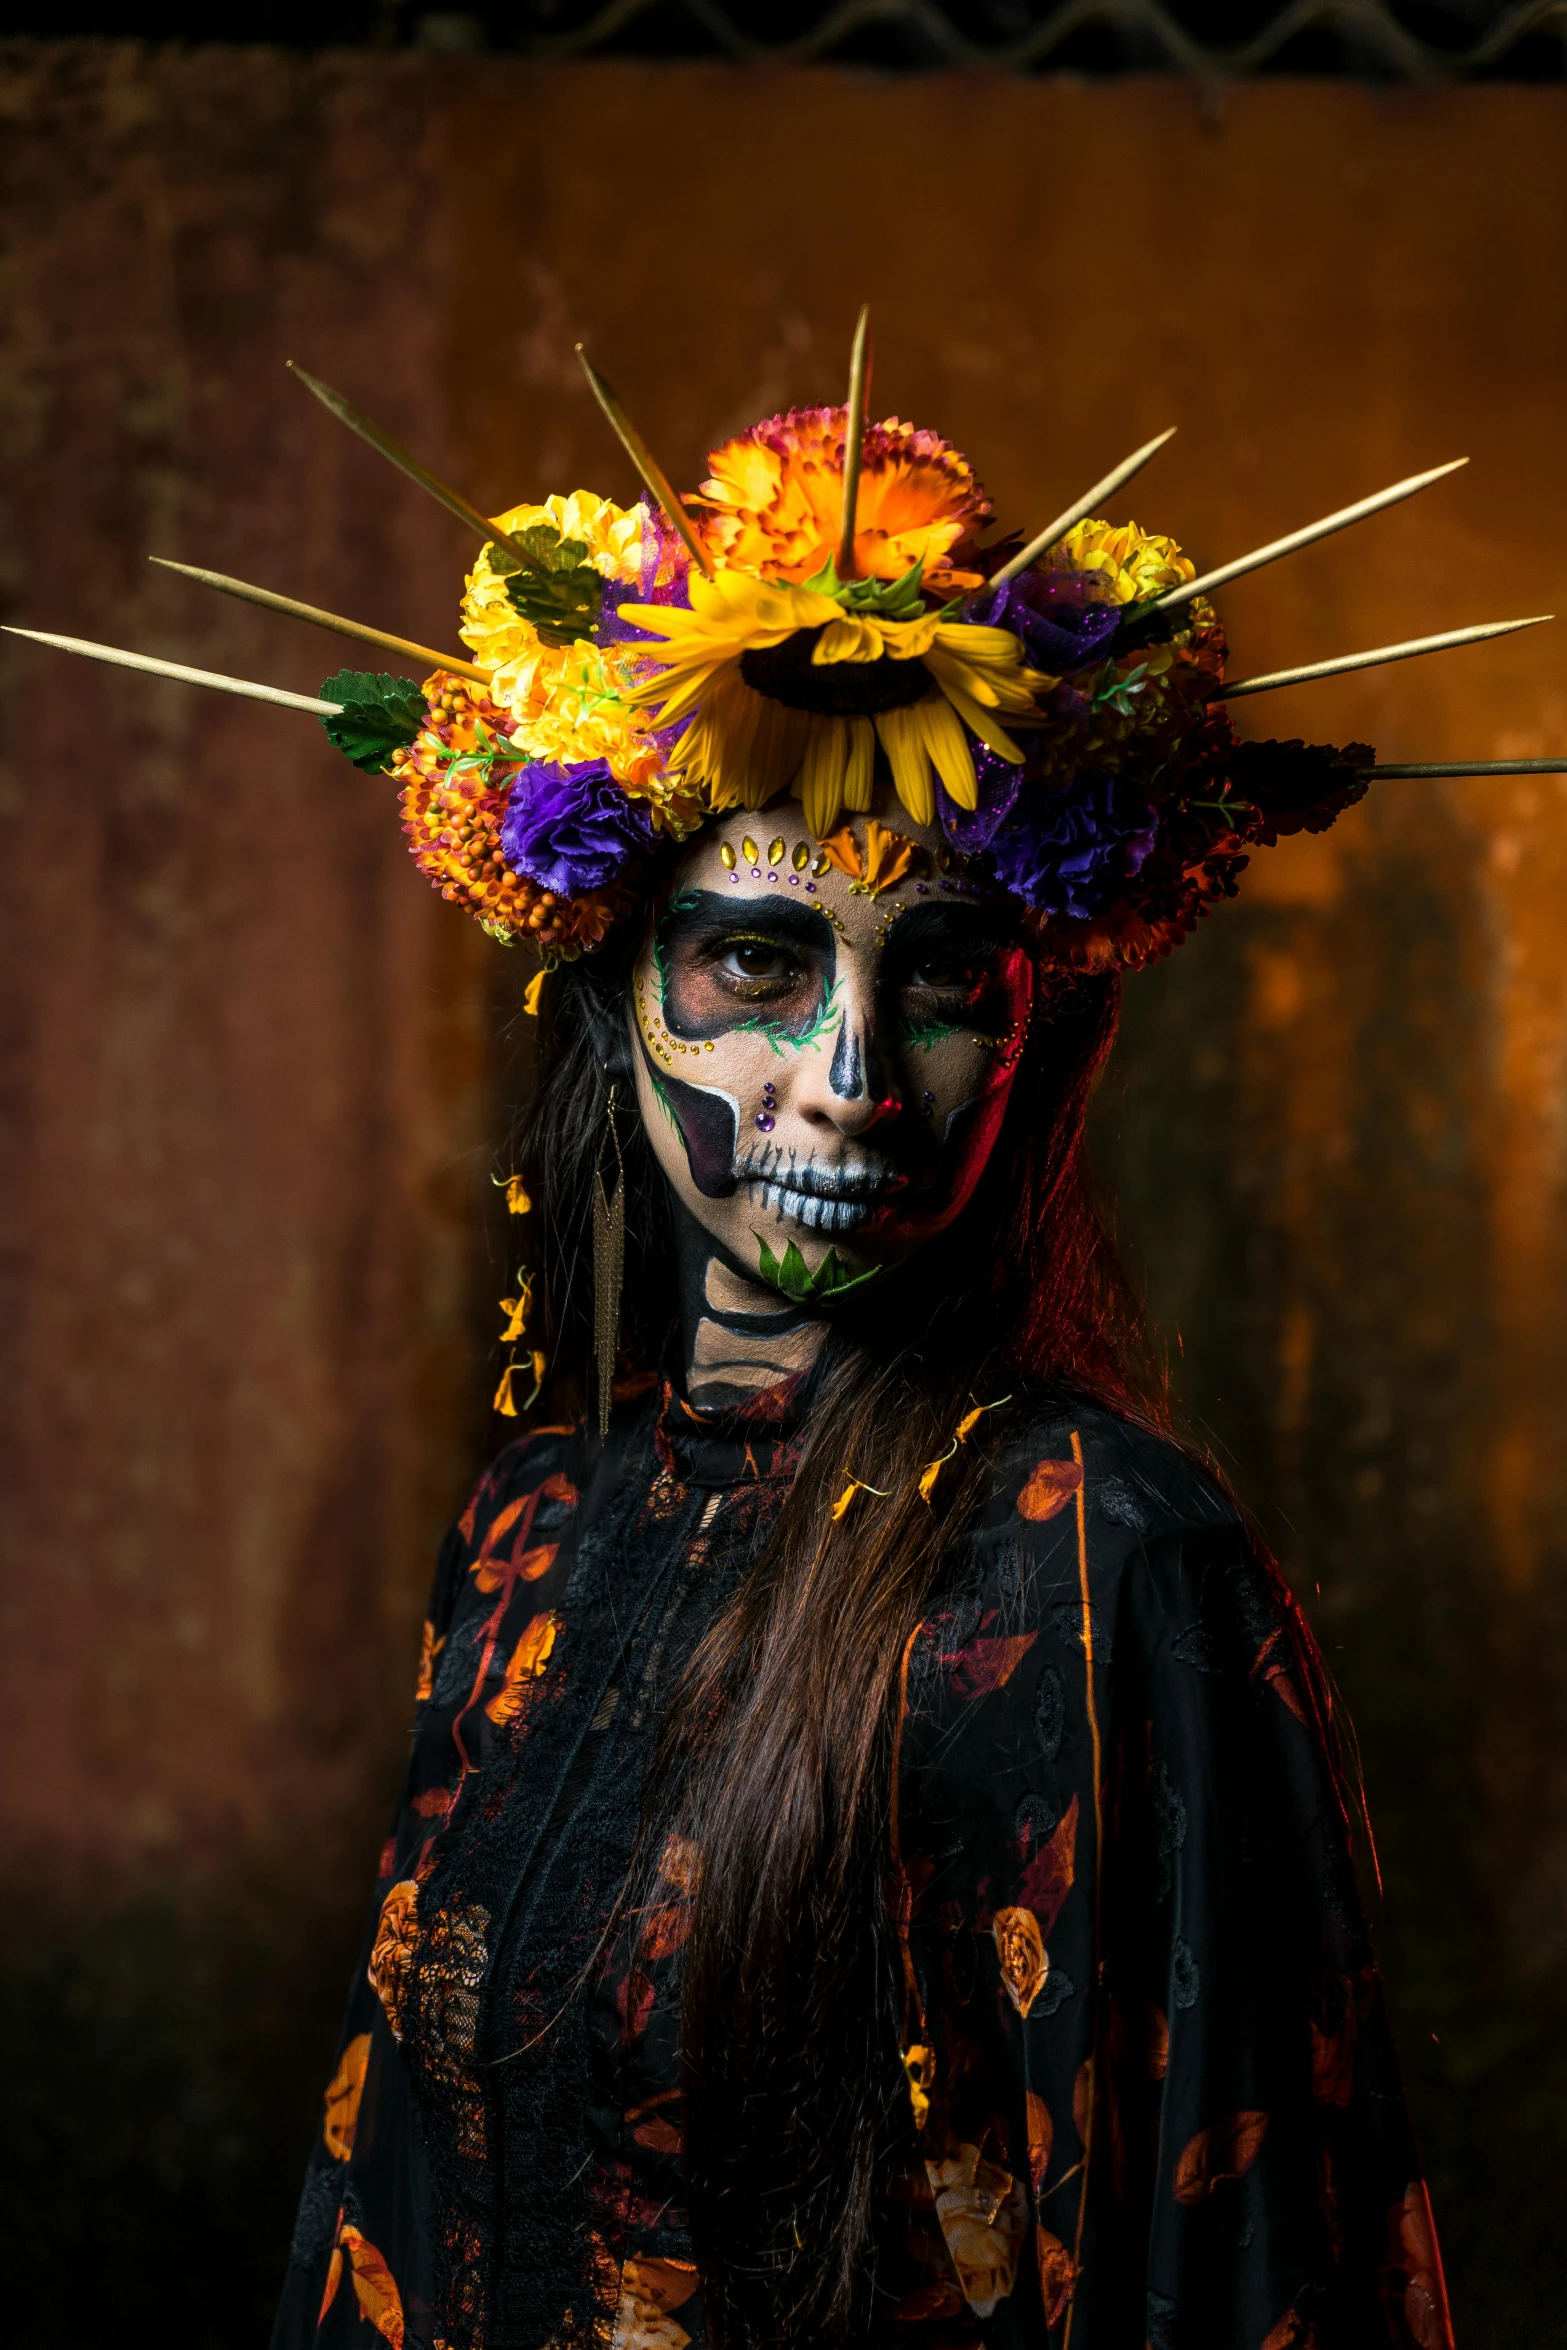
column 819, row 1060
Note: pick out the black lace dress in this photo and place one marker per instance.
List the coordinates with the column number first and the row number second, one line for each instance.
column 1155, row 2099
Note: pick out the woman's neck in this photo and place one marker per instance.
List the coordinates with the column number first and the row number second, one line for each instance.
column 739, row 1336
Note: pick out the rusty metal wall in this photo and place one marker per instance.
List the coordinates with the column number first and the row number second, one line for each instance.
column 251, row 1068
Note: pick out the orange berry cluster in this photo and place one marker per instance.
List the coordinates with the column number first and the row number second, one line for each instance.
column 453, row 823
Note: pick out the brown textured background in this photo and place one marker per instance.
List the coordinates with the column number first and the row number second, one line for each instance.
column 252, row 1072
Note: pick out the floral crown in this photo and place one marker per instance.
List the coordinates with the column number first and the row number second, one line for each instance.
column 830, row 611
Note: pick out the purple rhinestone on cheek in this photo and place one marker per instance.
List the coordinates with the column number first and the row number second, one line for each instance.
column 764, row 1122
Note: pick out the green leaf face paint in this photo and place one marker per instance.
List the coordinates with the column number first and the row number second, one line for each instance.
column 790, row 1275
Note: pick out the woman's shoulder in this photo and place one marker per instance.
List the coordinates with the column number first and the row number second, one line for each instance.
column 1104, row 1545
column 1102, row 1532
column 1112, row 1480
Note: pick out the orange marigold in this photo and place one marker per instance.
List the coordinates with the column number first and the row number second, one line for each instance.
column 455, row 778
column 774, row 501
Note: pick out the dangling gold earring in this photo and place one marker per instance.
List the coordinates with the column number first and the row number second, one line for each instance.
column 609, row 1265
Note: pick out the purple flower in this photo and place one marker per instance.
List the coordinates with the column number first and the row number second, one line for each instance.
column 996, row 780
column 1069, row 852
column 571, row 829
column 1059, row 631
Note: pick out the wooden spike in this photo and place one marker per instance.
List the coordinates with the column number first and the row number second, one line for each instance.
column 319, row 619
column 854, row 440
column 1376, row 658
column 1304, row 538
column 1466, row 767
column 452, row 500
column 1085, row 505
column 646, row 463
column 178, row 671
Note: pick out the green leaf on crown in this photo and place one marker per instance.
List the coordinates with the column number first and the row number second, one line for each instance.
column 380, row 715
column 888, row 599
column 564, row 599
column 792, row 1276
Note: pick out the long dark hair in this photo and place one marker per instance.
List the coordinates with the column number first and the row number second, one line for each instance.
column 777, row 1751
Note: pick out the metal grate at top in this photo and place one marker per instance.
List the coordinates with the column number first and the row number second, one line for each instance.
column 1210, row 41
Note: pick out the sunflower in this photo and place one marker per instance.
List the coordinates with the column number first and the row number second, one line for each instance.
column 774, row 501
column 782, row 685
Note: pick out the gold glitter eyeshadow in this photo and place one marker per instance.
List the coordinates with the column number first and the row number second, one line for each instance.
column 726, row 852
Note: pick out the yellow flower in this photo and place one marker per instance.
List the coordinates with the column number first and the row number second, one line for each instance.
column 1132, row 565
column 491, row 626
column 568, row 703
column 751, row 666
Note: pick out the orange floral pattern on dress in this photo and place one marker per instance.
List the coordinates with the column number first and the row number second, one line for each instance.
column 983, row 2213
column 528, row 1660
column 1050, row 1486
column 1024, row 1963
column 1224, row 2150
column 391, row 1955
column 344, row 2091
column 375, row 2287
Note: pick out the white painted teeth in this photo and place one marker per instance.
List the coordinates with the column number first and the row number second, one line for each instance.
column 815, row 1212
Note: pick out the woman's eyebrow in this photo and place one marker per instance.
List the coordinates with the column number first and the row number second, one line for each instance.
column 706, row 913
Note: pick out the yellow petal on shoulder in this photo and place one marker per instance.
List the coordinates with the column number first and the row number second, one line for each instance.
column 530, row 1004
column 932, row 1471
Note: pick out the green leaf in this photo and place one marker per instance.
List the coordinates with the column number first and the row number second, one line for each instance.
column 381, row 715
column 563, row 600
column 790, row 1274
column 889, row 599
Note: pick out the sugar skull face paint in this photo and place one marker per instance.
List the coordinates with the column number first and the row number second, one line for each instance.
column 820, row 1060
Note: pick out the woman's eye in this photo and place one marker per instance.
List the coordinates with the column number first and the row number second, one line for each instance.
column 756, row 958
column 944, row 975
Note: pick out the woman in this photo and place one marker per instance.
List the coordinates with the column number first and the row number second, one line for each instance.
column 931, row 1916
column 875, row 1865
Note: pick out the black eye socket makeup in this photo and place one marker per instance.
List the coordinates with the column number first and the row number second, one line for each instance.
column 946, row 957
column 725, row 966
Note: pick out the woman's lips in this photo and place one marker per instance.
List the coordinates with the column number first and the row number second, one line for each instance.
column 821, row 1198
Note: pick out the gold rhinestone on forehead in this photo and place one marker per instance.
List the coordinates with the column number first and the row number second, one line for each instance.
column 726, row 852
column 775, row 851
column 802, row 855
column 749, row 850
